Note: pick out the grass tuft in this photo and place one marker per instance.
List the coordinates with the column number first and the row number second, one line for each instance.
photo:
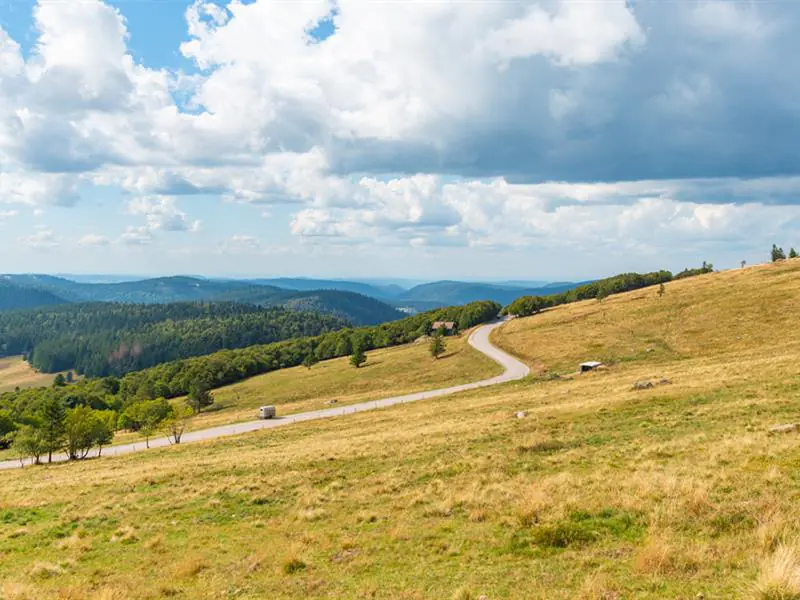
column 779, row 578
column 293, row 565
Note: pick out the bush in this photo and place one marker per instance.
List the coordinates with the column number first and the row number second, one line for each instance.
column 293, row 565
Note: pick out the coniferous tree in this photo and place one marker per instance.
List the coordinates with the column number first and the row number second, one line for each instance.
column 51, row 416
column 200, row 397
column 793, row 253
column 438, row 346
column 777, row 253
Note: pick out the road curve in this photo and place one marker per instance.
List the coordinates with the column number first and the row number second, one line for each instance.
column 479, row 339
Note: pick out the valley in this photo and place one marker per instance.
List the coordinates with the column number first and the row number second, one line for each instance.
column 557, row 486
column 16, row 373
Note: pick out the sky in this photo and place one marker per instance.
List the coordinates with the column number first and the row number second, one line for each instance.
column 554, row 139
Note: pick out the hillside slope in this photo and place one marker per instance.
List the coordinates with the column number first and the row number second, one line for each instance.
column 720, row 315
column 459, row 292
column 598, row 491
column 301, row 284
column 14, row 297
column 357, row 308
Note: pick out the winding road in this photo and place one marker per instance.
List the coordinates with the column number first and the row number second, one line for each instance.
column 479, row 339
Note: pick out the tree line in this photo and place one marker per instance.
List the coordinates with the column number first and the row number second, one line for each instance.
column 625, row 282
column 35, row 420
column 778, row 254
column 104, row 339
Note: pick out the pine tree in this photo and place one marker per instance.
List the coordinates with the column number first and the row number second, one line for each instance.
column 777, row 253
column 793, row 253
column 51, row 417
column 661, row 289
column 438, row 346
column 199, row 397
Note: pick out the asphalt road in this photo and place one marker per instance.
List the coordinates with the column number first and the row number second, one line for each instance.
column 479, row 339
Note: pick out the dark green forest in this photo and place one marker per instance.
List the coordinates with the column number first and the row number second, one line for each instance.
column 29, row 291
column 185, row 376
column 14, row 297
column 102, row 339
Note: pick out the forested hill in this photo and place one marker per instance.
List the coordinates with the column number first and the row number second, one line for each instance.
column 179, row 377
column 459, row 292
column 356, row 308
column 100, row 339
column 14, row 297
column 147, row 291
column 45, row 290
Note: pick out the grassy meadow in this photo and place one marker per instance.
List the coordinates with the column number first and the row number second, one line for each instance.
column 15, row 372
column 387, row 372
column 600, row 492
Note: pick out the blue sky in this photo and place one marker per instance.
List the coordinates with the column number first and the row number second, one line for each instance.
column 529, row 140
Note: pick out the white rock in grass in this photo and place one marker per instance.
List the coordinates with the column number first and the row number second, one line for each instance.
column 788, row 428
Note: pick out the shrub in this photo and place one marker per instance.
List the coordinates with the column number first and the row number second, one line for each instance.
column 293, row 565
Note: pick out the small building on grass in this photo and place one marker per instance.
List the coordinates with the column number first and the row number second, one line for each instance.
column 445, row 327
column 590, row 365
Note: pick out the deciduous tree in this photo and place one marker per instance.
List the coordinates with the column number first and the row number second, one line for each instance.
column 81, row 432
column 7, row 429
column 145, row 417
column 358, row 357
column 30, row 443
column 175, row 424
column 310, row 360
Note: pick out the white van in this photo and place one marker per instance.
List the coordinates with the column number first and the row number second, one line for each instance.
column 266, row 412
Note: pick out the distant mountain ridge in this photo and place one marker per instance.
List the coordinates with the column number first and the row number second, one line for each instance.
column 303, row 284
column 14, row 297
column 33, row 291
column 360, row 302
column 458, row 292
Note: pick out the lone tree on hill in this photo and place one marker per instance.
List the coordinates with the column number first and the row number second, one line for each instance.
column 175, row 424
column 777, row 253
column 661, row 289
column 199, row 397
column 793, row 253
column 310, row 360
column 438, row 346
column 358, row 357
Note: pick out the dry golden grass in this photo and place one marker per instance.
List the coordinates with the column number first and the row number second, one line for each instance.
column 601, row 492
column 15, row 372
column 780, row 576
